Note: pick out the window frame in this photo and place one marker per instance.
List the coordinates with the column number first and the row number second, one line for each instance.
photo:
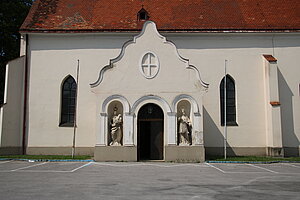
column 65, row 108
column 231, row 118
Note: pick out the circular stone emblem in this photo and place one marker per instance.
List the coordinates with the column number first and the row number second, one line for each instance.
column 149, row 66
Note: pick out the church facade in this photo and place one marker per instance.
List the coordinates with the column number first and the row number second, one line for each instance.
column 154, row 84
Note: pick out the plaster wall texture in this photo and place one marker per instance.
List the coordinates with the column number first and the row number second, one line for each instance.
column 54, row 56
column 246, row 67
column 11, row 120
column 125, row 79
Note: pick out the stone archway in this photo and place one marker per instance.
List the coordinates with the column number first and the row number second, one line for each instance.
column 150, row 133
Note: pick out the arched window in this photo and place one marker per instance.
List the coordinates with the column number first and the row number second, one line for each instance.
column 68, row 97
column 230, row 102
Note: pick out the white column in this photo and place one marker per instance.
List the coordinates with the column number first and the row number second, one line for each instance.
column 273, row 113
column 171, row 120
column 101, row 135
column 197, row 134
column 275, row 105
column 128, row 129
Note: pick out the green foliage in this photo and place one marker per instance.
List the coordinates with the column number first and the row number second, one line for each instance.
column 12, row 15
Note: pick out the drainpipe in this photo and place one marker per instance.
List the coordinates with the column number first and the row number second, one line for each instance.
column 25, row 98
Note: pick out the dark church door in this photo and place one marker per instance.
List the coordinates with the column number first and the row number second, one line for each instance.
column 150, row 132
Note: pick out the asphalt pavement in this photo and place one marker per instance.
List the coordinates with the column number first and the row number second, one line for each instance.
column 148, row 180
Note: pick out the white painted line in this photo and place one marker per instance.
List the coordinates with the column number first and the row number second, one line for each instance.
column 41, row 171
column 216, row 168
column 2, row 162
column 81, row 167
column 263, row 168
column 244, row 172
column 292, row 165
column 28, row 167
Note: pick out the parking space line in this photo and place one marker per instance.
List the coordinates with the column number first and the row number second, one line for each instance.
column 6, row 161
column 291, row 165
column 41, row 171
column 216, row 168
column 28, row 167
column 87, row 164
column 263, row 168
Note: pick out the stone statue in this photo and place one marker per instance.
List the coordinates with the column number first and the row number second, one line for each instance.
column 116, row 129
column 184, row 129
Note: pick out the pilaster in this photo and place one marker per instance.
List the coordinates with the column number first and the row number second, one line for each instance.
column 172, row 129
column 273, row 114
column 128, row 129
column 101, row 136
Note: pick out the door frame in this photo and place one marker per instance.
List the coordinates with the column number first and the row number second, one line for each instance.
column 151, row 120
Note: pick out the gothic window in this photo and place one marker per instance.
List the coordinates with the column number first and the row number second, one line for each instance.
column 68, row 97
column 230, row 102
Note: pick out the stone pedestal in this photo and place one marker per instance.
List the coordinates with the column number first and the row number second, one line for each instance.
column 185, row 153
column 115, row 153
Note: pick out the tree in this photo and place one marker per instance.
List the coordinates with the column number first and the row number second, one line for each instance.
column 12, row 15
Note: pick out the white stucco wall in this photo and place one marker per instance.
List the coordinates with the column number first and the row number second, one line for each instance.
column 245, row 65
column 52, row 59
column 54, row 56
column 11, row 119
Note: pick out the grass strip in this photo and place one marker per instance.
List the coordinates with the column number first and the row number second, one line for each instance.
column 254, row 159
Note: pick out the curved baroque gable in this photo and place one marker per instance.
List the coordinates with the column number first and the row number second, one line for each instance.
column 149, row 29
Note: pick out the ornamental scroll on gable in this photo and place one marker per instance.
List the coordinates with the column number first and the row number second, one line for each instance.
column 149, row 61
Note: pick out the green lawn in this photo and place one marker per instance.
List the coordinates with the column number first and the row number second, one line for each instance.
column 46, row 157
column 254, row 158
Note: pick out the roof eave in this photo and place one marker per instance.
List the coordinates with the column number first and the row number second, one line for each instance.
column 160, row 30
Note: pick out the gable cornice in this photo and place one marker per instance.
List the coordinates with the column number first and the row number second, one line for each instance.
column 133, row 41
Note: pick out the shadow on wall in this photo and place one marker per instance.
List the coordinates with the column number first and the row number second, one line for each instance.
column 289, row 138
column 212, row 135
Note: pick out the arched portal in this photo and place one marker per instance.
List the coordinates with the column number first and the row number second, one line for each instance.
column 150, row 136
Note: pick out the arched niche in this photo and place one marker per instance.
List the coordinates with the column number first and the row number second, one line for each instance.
column 114, row 109
column 191, row 100
column 119, row 98
column 184, row 121
column 186, row 105
column 193, row 111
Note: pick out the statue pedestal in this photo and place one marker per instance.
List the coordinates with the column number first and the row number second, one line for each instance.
column 191, row 153
column 115, row 153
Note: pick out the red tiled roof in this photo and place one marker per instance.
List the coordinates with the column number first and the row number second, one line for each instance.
column 169, row 15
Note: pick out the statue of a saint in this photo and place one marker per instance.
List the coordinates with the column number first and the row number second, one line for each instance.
column 116, row 129
column 184, row 129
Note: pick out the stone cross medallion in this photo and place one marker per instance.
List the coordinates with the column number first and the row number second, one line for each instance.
column 149, row 65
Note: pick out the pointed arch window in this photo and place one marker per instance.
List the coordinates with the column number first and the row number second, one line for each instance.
column 230, row 102
column 68, row 100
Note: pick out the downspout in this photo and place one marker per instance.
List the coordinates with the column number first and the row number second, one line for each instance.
column 25, row 98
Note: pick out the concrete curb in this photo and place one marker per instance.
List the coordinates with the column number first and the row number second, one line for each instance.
column 45, row 160
column 253, row 162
